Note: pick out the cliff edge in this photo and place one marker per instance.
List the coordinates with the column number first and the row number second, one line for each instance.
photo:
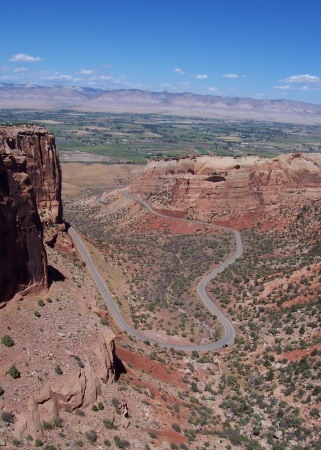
column 30, row 193
column 221, row 187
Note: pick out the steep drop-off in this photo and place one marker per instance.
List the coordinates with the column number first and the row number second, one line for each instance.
column 222, row 187
column 30, row 187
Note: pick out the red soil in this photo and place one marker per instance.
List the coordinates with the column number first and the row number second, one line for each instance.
column 154, row 368
column 173, row 226
column 297, row 355
column 168, row 435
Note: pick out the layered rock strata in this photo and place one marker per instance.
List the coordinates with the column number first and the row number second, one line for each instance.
column 227, row 186
column 23, row 262
column 76, row 390
column 30, row 193
column 42, row 165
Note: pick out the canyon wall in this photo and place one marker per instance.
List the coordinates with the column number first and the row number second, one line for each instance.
column 30, row 188
column 220, row 187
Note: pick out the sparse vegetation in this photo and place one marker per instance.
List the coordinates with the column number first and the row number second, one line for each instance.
column 7, row 340
column 14, row 372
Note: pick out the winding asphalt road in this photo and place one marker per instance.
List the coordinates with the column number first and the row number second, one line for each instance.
column 229, row 332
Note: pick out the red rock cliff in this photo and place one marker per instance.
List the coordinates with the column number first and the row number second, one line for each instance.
column 30, row 183
column 42, row 165
column 225, row 186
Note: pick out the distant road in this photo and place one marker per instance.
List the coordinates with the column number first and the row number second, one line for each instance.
column 229, row 332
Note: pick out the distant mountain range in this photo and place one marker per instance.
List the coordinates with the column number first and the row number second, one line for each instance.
column 14, row 96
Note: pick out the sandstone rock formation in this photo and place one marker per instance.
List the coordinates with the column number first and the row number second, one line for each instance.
column 225, row 186
column 23, row 263
column 42, row 165
column 105, row 355
column 30, row 189
column 79, row 390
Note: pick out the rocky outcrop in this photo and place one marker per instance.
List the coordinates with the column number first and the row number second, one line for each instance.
column 23, row 262
column 38, row 148
column 79, row 390
column 30, row 193
column 225, row 186
column 105, row 356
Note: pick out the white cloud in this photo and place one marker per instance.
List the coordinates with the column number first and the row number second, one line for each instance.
column 231, row 75
column 47, row 75
column 213, row 89
column 201, row 76
column 20, row 69
column 284, row 87
column 302, row 79
column 306, row 88
column 86, row 71
column 23, row 57
column 179, row 71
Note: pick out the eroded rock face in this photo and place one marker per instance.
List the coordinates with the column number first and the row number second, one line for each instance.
column 42, row 165
column 105, row 356
column 79, row 389
column 227, row 186
column 30, row 193
column 23, row 261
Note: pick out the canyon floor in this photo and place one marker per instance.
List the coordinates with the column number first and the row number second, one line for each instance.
column 262, row 393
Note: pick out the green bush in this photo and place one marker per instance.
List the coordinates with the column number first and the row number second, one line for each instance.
column 108, row 424
column 121, row 443
column 91, row 436
column 7, row 417
column 14, row 372
column 37, row 313
column 41, row 302
column 47, row 426
column 38, row 443
column 58, row 370
column 176, row 427
column 7, row 340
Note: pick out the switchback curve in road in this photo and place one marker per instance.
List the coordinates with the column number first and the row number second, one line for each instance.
column 229, row 332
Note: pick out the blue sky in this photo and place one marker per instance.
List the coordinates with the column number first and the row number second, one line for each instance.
column 264, row 48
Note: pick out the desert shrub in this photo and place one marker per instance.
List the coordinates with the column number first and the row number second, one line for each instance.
column 14, row 372
column 57, row 423
column 176, row 427
column 7, row 417
column 41, row 303
column 47, row 426
column 108, row 424
column 91, row 436
column 37, row 313
column 1, row 391
column 38, row 443
column 58, row 370
column 121, row 443
column 7, row 340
